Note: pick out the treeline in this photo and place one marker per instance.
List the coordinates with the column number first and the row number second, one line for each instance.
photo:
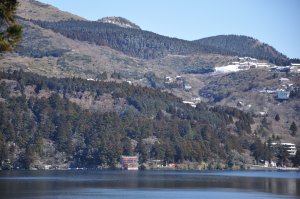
column 244, row 46
column 90, row 138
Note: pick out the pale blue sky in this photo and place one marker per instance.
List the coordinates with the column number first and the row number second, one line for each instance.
column 276, row 22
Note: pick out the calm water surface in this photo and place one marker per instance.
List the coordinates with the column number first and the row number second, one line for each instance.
column 148, row 184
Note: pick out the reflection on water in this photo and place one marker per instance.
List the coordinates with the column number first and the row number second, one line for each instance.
column 148, row 184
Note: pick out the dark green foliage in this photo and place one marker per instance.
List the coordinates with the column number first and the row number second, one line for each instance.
column 258, row 150
column 268, row 151
column 90, row 138
column 115, row 75
column 262, row 151
column 277, row 118
column 207, row 69
column 14, row 31
column 293, row 128
column 133, row 42
column 3, row 149
column 245, row 46
column 265, row 123
column 295, row 93
column 282, row 155
column 27, row 157
column 10, row 32
column 296, row 159
column 295, row 60
column 152, row 79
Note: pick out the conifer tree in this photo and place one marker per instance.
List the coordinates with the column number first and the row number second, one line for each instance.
column 10, row 31
column 277, row 118
column 293, row 129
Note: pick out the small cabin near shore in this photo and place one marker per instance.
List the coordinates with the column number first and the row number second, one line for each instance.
column 130, row 162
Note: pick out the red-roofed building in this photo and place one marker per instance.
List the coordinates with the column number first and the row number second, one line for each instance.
column 130, row 162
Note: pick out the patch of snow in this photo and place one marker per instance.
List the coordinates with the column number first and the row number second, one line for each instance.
column 227, row 69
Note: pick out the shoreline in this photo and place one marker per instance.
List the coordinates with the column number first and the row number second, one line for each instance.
column 260, row 167
column 249, row 168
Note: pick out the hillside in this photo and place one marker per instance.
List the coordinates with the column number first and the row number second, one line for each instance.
column 133, row 42
column 131, row 74
column 148, row 45
column 90, row 54
column 243, row 46
column 32, row 10
column 253, row 91
column 79, row 123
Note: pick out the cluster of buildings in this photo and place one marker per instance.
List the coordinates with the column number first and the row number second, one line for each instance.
column 282, row 93
column 245, row 63
column 249, row 62
column 294, row 67
column 132, row 163
column 178, row 82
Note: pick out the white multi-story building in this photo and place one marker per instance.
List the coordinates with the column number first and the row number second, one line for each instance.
column 290, row 147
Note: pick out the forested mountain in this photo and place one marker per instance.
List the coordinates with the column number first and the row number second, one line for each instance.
column 148, row 45
column 133, row 42
column 71, row 122
column 41, row 121
column 245, row 46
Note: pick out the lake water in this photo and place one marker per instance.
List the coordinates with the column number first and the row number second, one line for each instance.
column 148, row 184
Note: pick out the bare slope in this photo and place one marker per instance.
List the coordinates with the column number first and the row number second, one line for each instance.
column 119, row 21
column 31, row 9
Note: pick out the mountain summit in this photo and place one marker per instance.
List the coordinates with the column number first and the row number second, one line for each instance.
column 119, row 21
column 241, row 45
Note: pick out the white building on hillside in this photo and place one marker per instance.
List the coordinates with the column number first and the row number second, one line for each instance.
column 290, row 147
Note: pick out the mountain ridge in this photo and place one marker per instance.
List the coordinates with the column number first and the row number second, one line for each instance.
column 149, row 45
column 245, row 46
column 32, row 9
column 157, row 43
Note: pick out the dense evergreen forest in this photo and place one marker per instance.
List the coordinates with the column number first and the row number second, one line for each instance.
column 246, row 46
column 148, row 45
column 133, row 42
column 31, row 122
